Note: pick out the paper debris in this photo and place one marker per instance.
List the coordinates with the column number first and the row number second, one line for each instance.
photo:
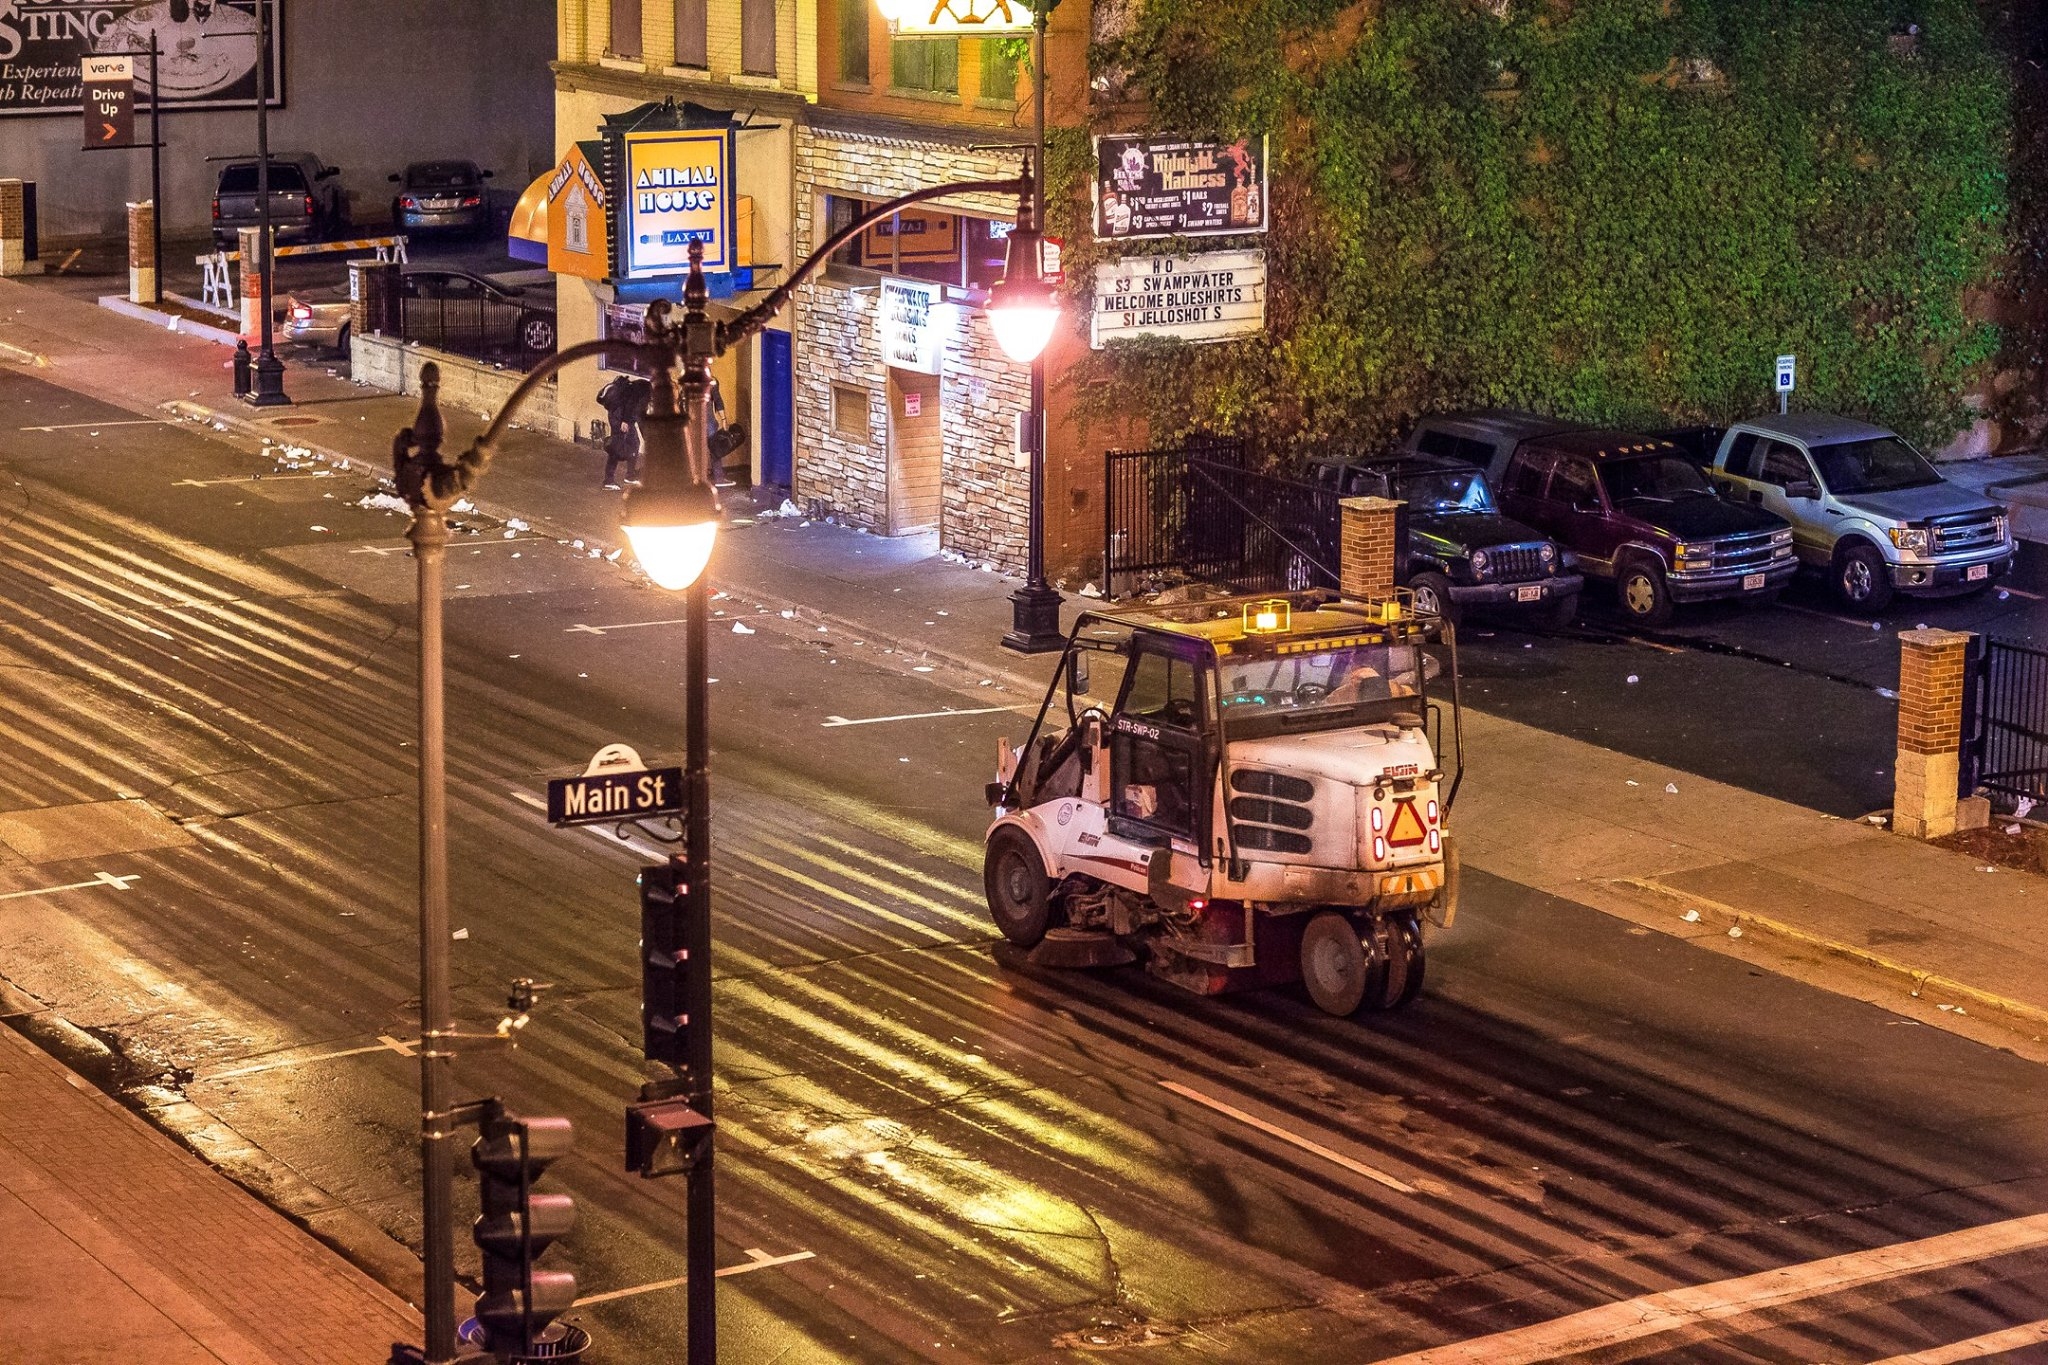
column 1691, row 917
column 1633, row 678
column 1735, row 931
column 1671, row 789
column 1090, row 590
column 922, row 668
column 1873, row 819
column 742, row 628
column 460, row 933
column 515, row 524
column 1633, row 783
column 320, row 528
column 2012, row 828
column 945, row 613
column 383, row 502
column 788, row 615
column 1887, row 694
column 2022, row 806
column 1987, row 868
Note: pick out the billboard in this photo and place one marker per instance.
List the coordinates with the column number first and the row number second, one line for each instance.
column 1210, row 296
column 1155, row 187
column 206, row 52
column 677, row 191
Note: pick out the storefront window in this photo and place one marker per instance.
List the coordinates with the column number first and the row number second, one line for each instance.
column 931, row 64
column 945, row 248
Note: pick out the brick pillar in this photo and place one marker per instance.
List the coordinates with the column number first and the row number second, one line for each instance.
column 373, row 298
column 142, row 252
column 1365, row 554
column 14, row 231
column 1931, row 666
column 250, row 244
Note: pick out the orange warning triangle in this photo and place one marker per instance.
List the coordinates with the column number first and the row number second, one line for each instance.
column 1406, row 827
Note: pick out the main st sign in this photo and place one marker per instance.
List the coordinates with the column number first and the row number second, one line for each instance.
column 616, row 786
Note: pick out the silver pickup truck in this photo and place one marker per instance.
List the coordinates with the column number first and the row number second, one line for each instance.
column 1866, row 508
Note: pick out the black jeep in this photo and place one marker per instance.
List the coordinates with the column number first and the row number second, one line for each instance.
column 1462, row 552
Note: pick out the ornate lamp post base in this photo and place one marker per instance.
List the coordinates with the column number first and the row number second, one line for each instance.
column 269, row 383
column 1035, row 620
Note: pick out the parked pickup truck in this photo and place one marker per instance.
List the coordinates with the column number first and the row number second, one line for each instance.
column 1631, row 509
column 1866, row 508
column 306, row 201
column 1462, row 553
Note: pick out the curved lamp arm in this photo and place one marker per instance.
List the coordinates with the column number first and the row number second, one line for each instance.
column 424, row 475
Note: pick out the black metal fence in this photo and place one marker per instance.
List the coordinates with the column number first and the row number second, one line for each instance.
column 476, row 324
column 2005, row 720
column 1197, row 512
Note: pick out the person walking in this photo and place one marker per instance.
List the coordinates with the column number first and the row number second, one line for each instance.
column 624, row 401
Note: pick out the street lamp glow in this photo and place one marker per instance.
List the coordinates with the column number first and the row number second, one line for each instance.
column 672, row 530
column 673, row 556
column 895, row 12
column 1021, row 307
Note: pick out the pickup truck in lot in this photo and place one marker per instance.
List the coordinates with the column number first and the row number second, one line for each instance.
column 1866, row 508
column 1630, row 509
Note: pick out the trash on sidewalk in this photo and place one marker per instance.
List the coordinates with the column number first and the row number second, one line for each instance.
column 1671, row 789
column 1633, row 678
column 1090, row 590
column 383, row 502
column 1632, row 782
column 460, row 933
column 2013, row 828
column 1691, row 917
column 1735, row 931
column 742, row 628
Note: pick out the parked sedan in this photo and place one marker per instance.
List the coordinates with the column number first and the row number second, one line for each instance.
column 450, row 309
column 441, row 196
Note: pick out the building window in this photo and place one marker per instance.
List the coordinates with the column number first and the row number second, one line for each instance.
column 853, row 42
column 757, row 37
column 999, row 69
column 931, row 64
column 923, row 244
column 693, row 47
column 850, row 408
column 625, row 29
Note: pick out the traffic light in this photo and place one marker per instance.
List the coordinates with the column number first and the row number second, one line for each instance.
column 665, row 960
column 516, row 1226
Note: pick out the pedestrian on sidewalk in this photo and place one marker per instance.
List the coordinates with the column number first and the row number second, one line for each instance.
column 624, row 401
column 724, row 439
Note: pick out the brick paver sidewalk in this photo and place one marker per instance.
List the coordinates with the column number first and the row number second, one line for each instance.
column 118, row 1245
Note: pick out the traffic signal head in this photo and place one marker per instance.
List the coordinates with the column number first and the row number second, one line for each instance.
column 516, row 1225
column 664, row 958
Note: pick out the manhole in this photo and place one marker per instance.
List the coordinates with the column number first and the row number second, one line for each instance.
column 296, row 421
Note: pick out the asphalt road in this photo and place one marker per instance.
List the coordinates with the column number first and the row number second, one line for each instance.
column 208, row 689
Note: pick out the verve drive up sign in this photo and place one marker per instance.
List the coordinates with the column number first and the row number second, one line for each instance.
column 1209, row 296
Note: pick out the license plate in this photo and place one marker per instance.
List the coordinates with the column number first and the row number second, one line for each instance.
column 1529, row 594
column 440, row 203
column 1752, row 581
column 1976, row 571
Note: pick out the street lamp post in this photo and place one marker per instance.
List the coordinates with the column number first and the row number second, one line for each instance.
column 671, row 521
column 269, row 391
column 1035, row 607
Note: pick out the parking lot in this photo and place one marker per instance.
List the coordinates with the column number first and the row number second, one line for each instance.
column 1792, row 700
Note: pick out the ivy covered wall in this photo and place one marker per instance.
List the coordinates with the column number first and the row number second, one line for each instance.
column 1613, row 210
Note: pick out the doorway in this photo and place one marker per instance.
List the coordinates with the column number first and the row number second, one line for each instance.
column 915, row 447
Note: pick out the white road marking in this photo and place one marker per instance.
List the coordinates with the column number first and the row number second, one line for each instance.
column 1306, row 1145
column 120, row 616
column 1631, row 1320
column 1830, row 616
column 381, row 550
column 252, row 478
column 757, row 1259
column 1976, row 1348
column 384, row 1043
column 73, row 426
column 833, row 722
column 98, row 879
column 626, row 625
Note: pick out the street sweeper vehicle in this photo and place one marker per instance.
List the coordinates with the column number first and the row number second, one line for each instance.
column 1243, row 792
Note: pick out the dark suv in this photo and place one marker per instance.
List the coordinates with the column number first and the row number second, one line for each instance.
column 1461, row 551
column 1631, row 509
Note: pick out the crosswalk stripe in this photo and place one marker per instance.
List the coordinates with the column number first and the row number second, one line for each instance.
column 1653, row 1314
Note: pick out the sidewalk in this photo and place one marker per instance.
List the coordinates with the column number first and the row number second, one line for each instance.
column 117, row 1245
column 1919, row 930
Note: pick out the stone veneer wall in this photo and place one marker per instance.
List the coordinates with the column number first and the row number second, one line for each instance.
column 985, row 511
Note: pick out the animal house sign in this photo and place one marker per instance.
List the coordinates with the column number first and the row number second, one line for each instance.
column 1210, row 296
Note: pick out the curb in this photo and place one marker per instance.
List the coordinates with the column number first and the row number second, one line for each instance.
column 23, row 355
column 170, row 322
column 1918, row 982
